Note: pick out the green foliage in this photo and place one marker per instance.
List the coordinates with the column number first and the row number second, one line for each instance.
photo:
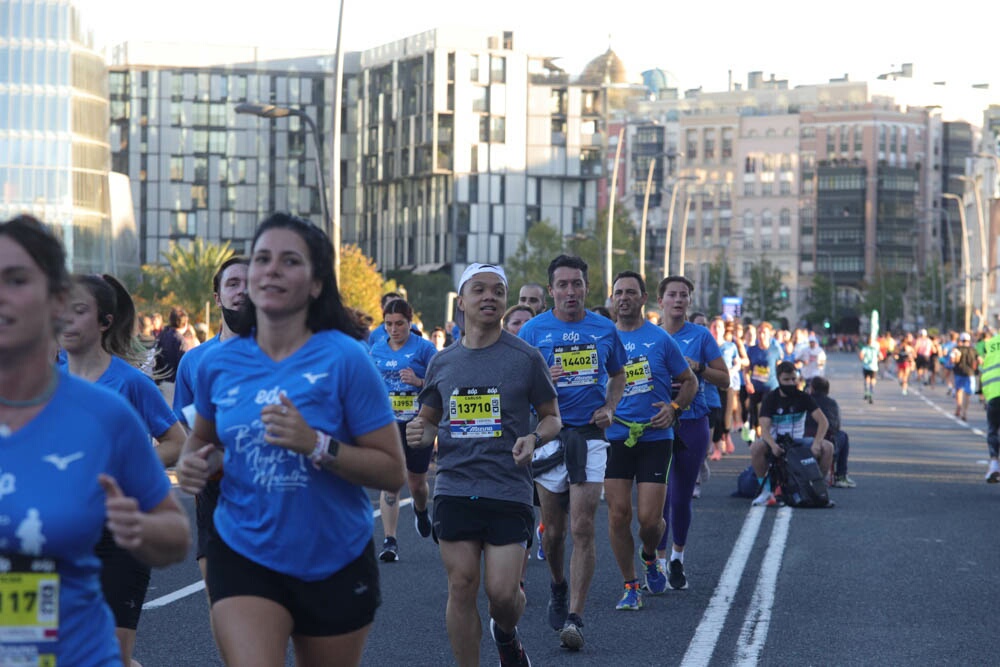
column 763, row 298
column 719, row 271
column 361, row 285
column 185, row 281
column 884, row 293
column 820, row 299
column 427, row 294
column 529, row 264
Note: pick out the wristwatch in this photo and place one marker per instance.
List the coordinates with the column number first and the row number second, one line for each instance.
column 538, row 438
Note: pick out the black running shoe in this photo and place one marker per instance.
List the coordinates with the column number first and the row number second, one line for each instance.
column 675, row 575
column 511, row 652
column 422, row 521
column 390, row 551
column 571, row 635
column 558, row 605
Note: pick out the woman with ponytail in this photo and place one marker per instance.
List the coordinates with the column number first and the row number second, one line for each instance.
column 101, row 347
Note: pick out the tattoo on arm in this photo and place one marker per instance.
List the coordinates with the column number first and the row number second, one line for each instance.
column 390, row 499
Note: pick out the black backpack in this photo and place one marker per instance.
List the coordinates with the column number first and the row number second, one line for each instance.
column 797, row 473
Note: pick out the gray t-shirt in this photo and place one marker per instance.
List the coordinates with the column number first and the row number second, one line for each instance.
column 485, row 396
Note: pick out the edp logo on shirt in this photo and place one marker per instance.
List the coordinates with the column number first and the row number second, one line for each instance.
column 270, row 396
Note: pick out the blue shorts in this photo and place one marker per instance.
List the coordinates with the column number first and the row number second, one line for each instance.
column 963, row 383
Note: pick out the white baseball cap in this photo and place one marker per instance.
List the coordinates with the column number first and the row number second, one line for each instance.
column 479, row 267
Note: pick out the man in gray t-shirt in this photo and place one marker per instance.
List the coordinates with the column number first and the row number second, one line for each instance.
column 476, row 399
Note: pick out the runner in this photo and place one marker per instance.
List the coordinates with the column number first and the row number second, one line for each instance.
column 966, row 362
column 76, row 458
column 100, row 348
column 483, row 489
column 229, row 289
column 923, row 346
column 764, row 357
column 641, row 437
column 734, row 355
column 587, row 363
column 990, row 380
column 904, row 362
column 298, row 411
column 691, row 432
column 869, row 355
column 515, row 317
column 402, row 360
column 533, row 294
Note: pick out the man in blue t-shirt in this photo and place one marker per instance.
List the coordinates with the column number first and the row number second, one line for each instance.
column 642, row 437
column 229, row 288
column 587, row 362
column 764, row 358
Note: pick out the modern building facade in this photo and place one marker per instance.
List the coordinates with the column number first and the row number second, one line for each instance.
column 464, row 142
column 54, row 154
column 199, row 169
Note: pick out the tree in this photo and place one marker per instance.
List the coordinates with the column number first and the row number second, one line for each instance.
column 361, row 285
column 763, row 298
column 820, row 300
column 884, row 293
column 185, row 281
column 590, row 246
column 719, row 272
column 530, row 263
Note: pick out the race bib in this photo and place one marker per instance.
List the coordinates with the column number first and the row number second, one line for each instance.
column 474, row 412
column 29, row 604
column 760, row 373
column 638, row 378
column 404, row 404
column 579, row 364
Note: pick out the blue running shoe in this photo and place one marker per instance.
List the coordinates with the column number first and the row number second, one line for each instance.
column 631, row 599
column 656, row 579
column 539, row 531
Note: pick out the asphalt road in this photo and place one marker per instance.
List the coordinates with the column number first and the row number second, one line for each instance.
column 905, row 570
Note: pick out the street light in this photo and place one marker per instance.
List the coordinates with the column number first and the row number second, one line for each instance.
column 642, row 226
column 967, row 297
column 670, row 222
column 271, row 111
column 983, row 288
column 833, row 287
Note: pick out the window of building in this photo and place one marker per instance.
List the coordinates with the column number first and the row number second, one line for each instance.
column 831, row 141
column 201, row 170
column 498, row 69
column 474, row 69
column 474, row 159
column 709, row 144
column 498, row 129
column 558, row 132
column 589, row 102
column 858, row 137
column 881, row 138
column 481, row 99
column 557, row 102
column 474, row 189
column 785, row 187
column 727, row 144
column 691, row 145
column 748, row 189
column 199, row 196
column 484, row 129
column 766, row 189
column 844, row 137
column 176, row 168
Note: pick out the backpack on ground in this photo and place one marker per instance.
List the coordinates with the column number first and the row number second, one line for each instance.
column 797, row 473
column 747, row 485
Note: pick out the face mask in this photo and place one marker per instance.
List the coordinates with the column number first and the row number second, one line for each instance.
column 786, row 389
column 231, row 316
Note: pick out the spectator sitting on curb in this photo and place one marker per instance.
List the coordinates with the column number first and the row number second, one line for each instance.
column 819, row 387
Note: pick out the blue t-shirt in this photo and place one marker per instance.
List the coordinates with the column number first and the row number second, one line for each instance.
column 275, row 508
column 764, row 366
column 141, row 392
column 698, row 345
column 654, row 359
column 588, row 351
column 184, row 387
column 415, row 354
column 730, row 353
column 52, row 508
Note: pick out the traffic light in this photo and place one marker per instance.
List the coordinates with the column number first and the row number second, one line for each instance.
column 826, row 324
column 784, row 293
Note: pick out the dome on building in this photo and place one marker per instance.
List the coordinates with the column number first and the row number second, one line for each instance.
column 608, row 62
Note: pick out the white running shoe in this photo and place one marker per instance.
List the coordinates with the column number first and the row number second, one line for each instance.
column 993, row 474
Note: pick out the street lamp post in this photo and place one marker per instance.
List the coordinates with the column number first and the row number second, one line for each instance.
column 645, row 212
column 967, row 297
column 833, row 288
column 983, row 288
column 271, row 111
column 670, row 223
column 612, row 195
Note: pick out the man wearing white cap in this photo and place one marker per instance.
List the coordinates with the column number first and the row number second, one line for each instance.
column 811, row 360
column 587, row 362
column 477, row 399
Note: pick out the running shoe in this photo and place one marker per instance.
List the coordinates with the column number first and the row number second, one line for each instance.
column 390, row 551
column 540, row 554
column 993, row 474
column 511, row 652
column 844, row 482
column 696, row 493
column 558, row 605
column 656, row 580
column 765, row 499
column 631, row 599
column 422, row 522
column 676, row 577
column 570, row 636
column 745, row 434
column 716, row 455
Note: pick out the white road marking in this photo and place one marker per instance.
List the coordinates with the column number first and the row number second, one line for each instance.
column 699, row 651
column 951, row 416
column 191, row 589
column 750, row 647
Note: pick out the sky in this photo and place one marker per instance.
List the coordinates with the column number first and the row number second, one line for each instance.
column 698, row 43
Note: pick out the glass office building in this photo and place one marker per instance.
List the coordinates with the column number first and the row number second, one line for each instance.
column 54, row 154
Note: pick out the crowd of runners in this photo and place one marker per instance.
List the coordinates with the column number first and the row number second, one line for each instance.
column 281, row 424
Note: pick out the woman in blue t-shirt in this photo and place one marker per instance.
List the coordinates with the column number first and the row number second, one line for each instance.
column 402, row 359
column 75, row 458
column 100, row 347
column 295, row 407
